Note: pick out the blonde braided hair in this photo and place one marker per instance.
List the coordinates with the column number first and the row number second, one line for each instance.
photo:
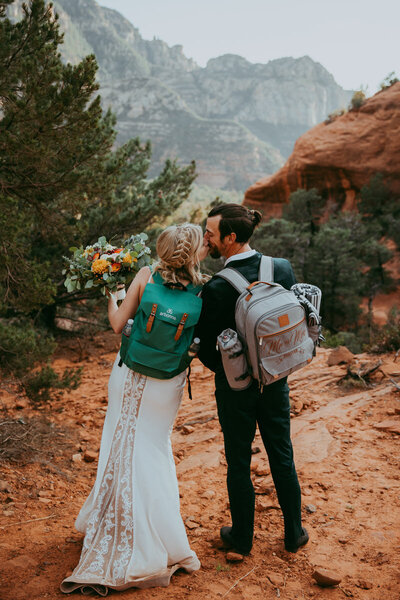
column 177, row 249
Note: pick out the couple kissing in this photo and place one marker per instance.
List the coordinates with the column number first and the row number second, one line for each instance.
column 134, row 533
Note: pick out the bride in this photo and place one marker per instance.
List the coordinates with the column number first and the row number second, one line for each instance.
column 134, row 533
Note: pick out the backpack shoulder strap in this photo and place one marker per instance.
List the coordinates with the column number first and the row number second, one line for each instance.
column 157, row 278
column 194, row 289
column 236, row 279
column 266, row 270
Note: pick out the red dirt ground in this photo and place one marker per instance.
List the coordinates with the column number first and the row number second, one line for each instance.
column 346, row 451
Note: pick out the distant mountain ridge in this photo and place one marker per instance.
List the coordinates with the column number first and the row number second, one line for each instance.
column 238, row 120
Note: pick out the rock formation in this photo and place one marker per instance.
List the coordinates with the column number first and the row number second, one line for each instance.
column 339, row 157
column 236, row 119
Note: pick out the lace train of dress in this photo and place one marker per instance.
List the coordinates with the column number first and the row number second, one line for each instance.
column 134, row 533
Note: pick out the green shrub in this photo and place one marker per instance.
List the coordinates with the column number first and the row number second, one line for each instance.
column 334, row 115
column 343, row 338
column 387, row 337
column 46, row 384
column 389, row 80
column 357, row 100
column 22, row 347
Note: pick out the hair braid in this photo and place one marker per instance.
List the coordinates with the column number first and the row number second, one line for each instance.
column 177, row 249
column 183, row 247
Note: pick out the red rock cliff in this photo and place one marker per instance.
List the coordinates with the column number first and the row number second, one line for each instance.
column 338, row 158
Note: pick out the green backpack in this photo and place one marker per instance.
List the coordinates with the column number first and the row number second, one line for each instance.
column 162, row 330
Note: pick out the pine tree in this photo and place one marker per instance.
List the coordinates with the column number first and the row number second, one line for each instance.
column 62, row 182
column 341, row 256
column 380, row 209
column 305, row 208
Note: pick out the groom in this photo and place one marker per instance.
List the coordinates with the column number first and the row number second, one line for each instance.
column 228, row 230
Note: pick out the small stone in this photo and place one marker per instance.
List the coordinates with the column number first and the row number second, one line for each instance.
column 77, row 457
column 21, row 404
column 326, row 578
column 4, row 486
column 8, row 513
column 343, row 541
column 234, row 557
column 310, row 508
column 208, row 494
column 262, row 471
column 390, row 412
column 340, row 355
column 263, row 490
column 254, row 466
column 255, row 450
column 393, row 426
column 364, row 585
column 186, row 429
column 275, row 579
column 191, row 524
column 89, row 456
column 44, row 500
column 265, row 504
column 297, row 406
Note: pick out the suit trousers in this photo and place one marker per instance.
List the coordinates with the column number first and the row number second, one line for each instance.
column 239, row 413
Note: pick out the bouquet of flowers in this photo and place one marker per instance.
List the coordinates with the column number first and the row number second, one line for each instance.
column 104, row 265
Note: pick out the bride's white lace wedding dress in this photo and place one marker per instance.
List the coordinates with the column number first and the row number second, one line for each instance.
column 134, row 533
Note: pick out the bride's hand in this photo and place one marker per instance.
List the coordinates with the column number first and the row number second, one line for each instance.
column 204, row 250
column 119, row 294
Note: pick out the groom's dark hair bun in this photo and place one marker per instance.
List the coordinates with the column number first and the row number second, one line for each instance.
column 236, row 218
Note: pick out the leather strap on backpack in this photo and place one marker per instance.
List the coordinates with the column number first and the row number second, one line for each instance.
column 181, row 326
column 151, row 318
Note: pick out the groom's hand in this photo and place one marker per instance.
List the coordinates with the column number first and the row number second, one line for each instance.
column 204, row 250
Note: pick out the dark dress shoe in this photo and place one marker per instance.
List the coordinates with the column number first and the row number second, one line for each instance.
column 229, row 542
column 301, row 541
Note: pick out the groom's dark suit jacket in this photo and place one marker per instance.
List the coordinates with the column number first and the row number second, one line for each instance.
column 218, row 311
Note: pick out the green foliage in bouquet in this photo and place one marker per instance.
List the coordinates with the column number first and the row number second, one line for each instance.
column 105, row 266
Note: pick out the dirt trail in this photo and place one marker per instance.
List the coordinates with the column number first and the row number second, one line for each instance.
column 347, row 465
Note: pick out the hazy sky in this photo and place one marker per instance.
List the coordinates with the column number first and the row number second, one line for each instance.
column 356, row 40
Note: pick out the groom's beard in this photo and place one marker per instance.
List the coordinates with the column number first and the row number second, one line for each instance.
column 214, row 252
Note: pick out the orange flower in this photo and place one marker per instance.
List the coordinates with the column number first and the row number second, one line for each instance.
column 100, row 266
column 95, row 256
column 127, row 259
column 115, row 266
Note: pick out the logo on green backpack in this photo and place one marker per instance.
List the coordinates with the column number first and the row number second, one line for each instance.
column 168, row 314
